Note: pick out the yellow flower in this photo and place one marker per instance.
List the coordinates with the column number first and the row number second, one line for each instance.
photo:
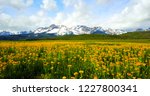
column 134, row 77
column 143, row 64
column 96, row 69
column 52, row 62
column 129, row 74
column 64, row 77
column 117, row 63
column 95, row 77
column 76, row 73
column 81, row 71
column 73, row 78
column 138, row 63
column 69, row 66
column 52, row 68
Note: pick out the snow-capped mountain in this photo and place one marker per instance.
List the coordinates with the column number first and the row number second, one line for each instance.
column 115, row 31
column 58, row 30
column 148, row 29
column 80, row 29
column 76, row 30
column 5, row 33
column 53, row 29
column 24, row 32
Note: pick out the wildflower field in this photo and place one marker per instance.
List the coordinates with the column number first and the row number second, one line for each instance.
column 74, row 59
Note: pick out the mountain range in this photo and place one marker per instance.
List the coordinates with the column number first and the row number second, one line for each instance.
column 76, row 30
column 60, row 30
column 64, row 32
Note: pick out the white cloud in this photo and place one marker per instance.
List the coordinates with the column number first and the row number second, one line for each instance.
column 40, row 19
column 49, row 5
column 9, row 23
column 18, row 4
column 135, row 15
column 103, row 1
column 59, row 19
column 81, row 15
column 69, row 2
column 21, row 23
column 5, row 19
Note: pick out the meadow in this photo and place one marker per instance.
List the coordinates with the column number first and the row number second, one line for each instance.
column 76, row 59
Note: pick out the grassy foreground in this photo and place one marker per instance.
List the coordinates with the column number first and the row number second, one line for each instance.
column 74, row 59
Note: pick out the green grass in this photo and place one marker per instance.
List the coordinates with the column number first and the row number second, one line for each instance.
column 126, row 36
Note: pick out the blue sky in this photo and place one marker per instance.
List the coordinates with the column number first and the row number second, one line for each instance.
column 19, row 15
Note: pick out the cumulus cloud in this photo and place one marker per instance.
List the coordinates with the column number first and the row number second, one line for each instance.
column 5, row 19
column 79, row 16
column 21, row 23
column 18, row 4
column 135, row 15
column 8, row 23
column 40, row 19
column 49, row 5
column 103, row 1
column 69, row 2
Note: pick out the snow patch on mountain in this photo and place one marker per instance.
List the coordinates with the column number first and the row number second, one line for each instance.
column 76, row 30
